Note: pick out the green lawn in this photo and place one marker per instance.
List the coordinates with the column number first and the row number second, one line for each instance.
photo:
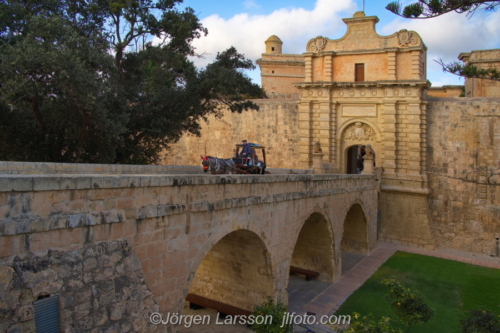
column 449, row 287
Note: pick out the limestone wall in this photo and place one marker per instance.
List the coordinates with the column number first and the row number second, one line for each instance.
column 464, row 133
column 100, row 288
column 274, row 126
column 171, row 222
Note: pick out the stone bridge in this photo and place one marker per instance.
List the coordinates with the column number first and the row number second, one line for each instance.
column 93, row 238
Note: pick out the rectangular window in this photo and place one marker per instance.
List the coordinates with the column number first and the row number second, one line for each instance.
column 47, row 314
column 359, row 72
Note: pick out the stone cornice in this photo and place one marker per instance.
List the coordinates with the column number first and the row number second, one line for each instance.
column 365, row 84
column 261, row 62
column 366, row 51
column 284, row 75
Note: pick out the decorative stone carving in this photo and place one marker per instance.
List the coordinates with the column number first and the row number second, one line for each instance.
column 317, row 148
column 406, row 38
column 359, row 132
column 317, row 44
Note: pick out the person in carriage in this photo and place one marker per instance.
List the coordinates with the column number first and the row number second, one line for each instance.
column 246, row 154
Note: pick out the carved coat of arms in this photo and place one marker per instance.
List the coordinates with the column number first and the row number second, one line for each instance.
column 317, row 44
column 359, row 132
column 406, row 38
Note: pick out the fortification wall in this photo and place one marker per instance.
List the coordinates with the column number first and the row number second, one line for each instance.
column 275, row 126
column 464, row 133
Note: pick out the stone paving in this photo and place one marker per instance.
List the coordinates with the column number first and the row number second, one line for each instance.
column 323, row 298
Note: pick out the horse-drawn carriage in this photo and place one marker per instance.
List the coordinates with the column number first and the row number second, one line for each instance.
column 249, row 164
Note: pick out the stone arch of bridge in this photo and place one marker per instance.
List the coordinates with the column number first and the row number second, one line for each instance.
column 344, row 144
column 236, row 271
column 314, row 247
column 355, row 230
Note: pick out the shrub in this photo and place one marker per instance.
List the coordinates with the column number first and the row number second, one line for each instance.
column 277, row 311
column 408, row 305
column 481, row 321
column 368, row 324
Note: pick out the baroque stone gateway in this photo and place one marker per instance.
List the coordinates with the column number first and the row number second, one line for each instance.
column 99, row 248
column 367, row 89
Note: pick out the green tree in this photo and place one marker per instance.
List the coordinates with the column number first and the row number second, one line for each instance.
column 408, row 304
column 423, row 9
column 81, row 81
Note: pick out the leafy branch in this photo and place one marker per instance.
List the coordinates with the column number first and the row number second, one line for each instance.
column 470, row 71
column 423, row 9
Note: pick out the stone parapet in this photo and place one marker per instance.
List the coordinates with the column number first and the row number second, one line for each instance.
column 17, row 190
column 47, row 168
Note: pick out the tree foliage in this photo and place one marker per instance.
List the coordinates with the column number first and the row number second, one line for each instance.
column 431, row 8
column 81, row 80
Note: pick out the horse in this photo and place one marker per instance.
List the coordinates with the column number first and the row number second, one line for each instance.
column 218, row 166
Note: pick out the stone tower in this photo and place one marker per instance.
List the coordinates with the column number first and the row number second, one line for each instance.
column 279, row 71
column 274, row 45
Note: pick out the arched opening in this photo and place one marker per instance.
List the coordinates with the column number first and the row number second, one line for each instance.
column 314, row 251
column 355, row 161
column 235, row 272
column 314, row 248
column 354, row 244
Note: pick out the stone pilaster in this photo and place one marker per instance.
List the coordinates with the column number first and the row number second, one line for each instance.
column 306, row 133
column 389, row 139
column 328, row 68
column 325, row 127
column 415, row 65
column 308, row 70
column 391, row 65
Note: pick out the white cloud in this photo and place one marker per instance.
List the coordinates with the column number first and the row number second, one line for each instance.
column 250, row 4
column 449, row 35
column 295, row 26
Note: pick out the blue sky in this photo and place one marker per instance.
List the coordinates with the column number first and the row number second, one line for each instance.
column 247, row 24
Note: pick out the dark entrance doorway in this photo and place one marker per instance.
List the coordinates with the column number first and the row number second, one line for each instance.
column 352, row 158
